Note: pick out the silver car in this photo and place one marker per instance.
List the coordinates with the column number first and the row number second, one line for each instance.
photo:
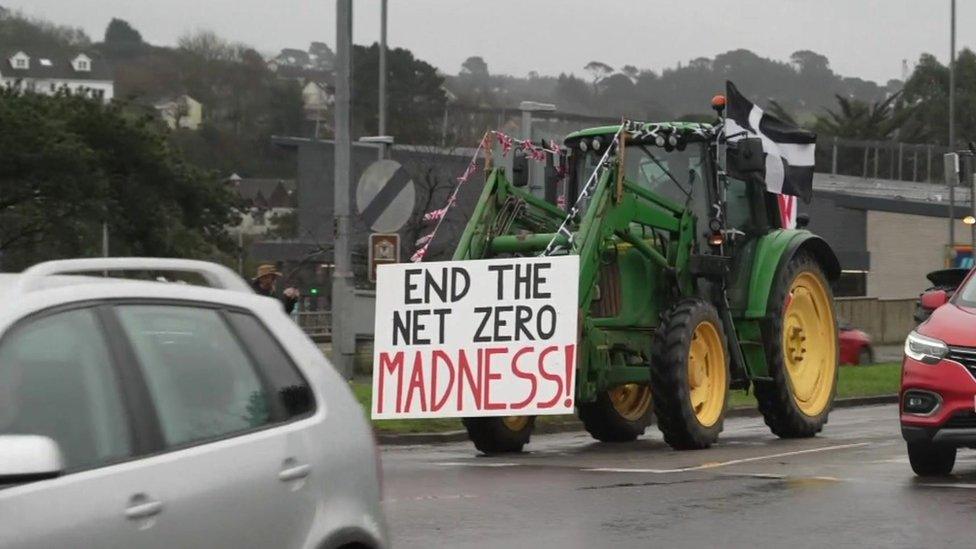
column 147, row 414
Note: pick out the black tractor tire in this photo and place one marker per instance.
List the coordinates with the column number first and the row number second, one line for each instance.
column 670, row 382
column 491, row 435
column 775, row 398
column 605, row 423
column 931, row 460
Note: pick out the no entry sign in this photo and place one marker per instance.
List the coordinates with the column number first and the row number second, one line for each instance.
column 475, row 338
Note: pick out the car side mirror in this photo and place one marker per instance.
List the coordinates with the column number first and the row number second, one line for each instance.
column 520, row 169
column 746, row 156
column 933, row 299
column 28, row 458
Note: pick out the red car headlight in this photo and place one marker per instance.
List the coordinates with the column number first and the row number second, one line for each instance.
column 924, row 349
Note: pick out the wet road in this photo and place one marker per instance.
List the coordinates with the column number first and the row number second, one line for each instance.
column 850, row 487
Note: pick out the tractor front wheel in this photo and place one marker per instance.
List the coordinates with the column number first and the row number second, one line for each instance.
column 801, row 351
column 620, row 414
column 690, row 375
column 499, row 435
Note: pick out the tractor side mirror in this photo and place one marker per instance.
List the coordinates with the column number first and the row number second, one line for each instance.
column 520, row 169
column 802, row 220
column 746, row 156
column 552, row 179
column 933, row 299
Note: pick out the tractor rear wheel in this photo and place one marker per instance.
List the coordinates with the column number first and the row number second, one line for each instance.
column 801, row 351
column 690, row 375
column 499, row 435
column 620, row 414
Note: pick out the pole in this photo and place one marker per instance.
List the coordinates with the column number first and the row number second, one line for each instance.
column 104, row 239
column 240, row 252
column 342, row 276
column 952, row 120
column 382, row 100
column 833, row 158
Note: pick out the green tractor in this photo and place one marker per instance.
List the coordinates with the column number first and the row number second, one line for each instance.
column 688, row 287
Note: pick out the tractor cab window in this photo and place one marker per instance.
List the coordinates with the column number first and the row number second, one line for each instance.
column 675, row 174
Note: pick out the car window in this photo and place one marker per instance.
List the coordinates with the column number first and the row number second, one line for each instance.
column 202, row 383
column 290, row 389
column 67, row 391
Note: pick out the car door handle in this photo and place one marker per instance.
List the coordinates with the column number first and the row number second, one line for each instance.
column 294, row 473
column 143, row 510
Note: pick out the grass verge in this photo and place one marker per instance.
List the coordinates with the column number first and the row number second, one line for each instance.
column 852, row 381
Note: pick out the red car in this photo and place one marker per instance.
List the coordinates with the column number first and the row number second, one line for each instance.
column 938, row 381
column 855, row 345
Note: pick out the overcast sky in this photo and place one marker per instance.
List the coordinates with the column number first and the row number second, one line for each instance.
column 866, row 38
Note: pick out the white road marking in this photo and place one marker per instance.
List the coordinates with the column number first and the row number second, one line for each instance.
column 714, row 465
column 946, row 485
column 474, row 464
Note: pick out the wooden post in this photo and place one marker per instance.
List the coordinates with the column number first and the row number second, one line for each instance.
column 486, row 144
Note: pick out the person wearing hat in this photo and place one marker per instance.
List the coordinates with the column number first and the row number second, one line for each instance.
column 264, row 284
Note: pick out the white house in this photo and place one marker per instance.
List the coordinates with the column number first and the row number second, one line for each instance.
column 78, row 73
column 181, row 112
column 264, row 199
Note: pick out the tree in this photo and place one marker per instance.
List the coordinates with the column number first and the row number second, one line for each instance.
column 475, row 66
column 17, row 29
column 855, row 119
column 71, row 163
column 631, row 72
column 416, row 95
column 120, row 33
column 598, row 71
column 927, row 91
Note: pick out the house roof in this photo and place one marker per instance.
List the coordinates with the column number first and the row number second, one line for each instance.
column 304, row 74
column 266, row 193
column 54, row 65
column 293, row 55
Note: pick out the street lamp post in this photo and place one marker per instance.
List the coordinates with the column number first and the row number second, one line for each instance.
column 381, row 130
column 342, row 275
column 952, row 118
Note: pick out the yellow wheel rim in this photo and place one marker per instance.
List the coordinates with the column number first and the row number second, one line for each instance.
column 631, row 401
column 707, row 376
column 810, row 343
column 515, row 423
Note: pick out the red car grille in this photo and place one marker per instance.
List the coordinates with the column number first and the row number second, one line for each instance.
column 965, row 356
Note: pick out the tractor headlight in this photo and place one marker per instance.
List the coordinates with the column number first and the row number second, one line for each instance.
column 924, row 349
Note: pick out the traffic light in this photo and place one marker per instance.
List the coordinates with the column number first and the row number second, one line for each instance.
column 313, row 291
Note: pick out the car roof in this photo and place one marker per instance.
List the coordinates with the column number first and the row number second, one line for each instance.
column 68, row 281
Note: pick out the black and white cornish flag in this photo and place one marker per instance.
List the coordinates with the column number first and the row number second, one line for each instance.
column 789, row 150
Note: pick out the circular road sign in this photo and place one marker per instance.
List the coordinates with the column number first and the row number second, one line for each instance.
column 385, row 196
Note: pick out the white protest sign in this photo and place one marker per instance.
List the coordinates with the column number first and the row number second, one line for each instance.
column 492, row 337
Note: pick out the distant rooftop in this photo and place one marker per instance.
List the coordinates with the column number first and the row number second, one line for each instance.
column 44, row 64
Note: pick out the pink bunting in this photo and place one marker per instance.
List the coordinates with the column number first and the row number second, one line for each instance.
column 532, row 151
column 418, row 256
column 422, row 241
column 505, row 141
column 435, row 214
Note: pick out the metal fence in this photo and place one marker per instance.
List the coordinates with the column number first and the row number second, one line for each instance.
column 881, row 159
column 317, row 324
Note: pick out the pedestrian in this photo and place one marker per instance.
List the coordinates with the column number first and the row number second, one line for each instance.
column 264, row 284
